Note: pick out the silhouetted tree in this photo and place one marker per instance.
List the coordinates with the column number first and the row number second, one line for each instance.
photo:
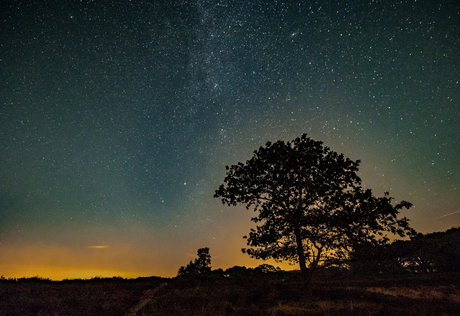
column 311, row 207
column 200, row 265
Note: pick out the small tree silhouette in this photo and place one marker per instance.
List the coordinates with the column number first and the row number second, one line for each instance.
column 200, row 265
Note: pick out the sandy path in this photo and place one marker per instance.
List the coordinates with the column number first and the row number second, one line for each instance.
column 145, row 298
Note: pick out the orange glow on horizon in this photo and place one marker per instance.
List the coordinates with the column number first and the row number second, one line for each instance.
column 158, row 255
column 60, row 262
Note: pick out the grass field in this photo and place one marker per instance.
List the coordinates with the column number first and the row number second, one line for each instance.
column 270, row 294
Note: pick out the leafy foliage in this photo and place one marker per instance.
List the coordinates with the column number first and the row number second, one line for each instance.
column 312, row 209
column 200, row 265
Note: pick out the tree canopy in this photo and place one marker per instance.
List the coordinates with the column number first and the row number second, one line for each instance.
column 312, row 209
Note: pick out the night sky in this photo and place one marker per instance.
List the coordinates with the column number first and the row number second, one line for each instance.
column 117, row 120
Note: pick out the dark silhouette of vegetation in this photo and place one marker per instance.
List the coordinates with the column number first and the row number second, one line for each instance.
column 242, row 271
column 312, row 209
column 244, row 291
column 93, row 297
column 200, row 265
column 423, row 253
column 266, row 294
column 267, row 268
column 433, row 252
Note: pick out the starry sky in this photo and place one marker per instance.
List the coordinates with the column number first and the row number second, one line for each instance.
column 117, row 119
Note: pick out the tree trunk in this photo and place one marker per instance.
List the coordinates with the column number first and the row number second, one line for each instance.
column 306, row 273
column 300, row 252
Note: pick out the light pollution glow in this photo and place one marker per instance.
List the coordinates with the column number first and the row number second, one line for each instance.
column 130, row 260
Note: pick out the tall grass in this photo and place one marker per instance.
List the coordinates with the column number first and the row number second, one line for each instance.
column 36, row 296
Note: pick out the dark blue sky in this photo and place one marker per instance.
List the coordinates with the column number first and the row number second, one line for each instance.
column 118, row 118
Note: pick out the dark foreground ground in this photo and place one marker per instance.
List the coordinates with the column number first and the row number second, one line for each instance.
column 268, row 294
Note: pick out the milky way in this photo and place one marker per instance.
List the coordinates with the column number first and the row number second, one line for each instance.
column 118, row 118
